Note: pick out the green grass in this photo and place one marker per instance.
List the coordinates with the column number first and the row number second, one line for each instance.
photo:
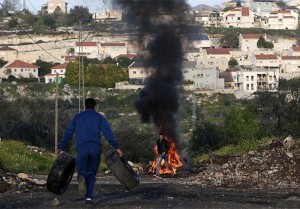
column 15, row 157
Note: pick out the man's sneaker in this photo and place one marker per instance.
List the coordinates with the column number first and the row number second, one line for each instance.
column 89, row 202
column 157, row 176
column 81, row 186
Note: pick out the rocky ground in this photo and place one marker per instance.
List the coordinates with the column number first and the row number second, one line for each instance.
column 266, row 178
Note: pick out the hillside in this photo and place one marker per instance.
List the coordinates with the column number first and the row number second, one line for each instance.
column 203, row 7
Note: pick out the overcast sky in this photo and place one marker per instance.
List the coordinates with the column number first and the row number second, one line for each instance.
column 96, row 5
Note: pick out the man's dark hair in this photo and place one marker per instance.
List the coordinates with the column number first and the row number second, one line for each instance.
column 90, row 103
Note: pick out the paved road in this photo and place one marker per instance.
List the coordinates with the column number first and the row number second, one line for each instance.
column 153, row 193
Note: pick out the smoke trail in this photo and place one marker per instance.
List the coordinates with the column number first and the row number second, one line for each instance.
column 160, row 24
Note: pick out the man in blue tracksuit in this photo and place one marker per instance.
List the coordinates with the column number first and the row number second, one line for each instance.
column 87, row 127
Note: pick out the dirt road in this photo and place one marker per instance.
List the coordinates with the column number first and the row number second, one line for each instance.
column 157, row 194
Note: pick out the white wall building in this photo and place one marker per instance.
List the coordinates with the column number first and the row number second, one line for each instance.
column 248, row 42
column 88, row 49
column 284, row 19
column 57, row 6
column 112, row 49
column 19, row 69
column 108, row 15
column 241, row 17
column 58, row 69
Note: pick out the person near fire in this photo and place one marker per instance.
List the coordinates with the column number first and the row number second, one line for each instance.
column 163, row 146
column 87, row 127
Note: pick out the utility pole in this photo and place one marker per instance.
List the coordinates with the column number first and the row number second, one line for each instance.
column 79, row 64
column 56, row 115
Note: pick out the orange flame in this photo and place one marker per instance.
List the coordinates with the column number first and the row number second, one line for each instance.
column 173, row 158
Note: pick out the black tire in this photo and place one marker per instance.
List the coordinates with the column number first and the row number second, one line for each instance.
column 122, row 171
column 61, row 173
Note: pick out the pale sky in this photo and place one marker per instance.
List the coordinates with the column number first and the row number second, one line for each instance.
column 96, row 5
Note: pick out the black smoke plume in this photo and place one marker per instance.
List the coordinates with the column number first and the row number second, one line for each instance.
column 160, row 25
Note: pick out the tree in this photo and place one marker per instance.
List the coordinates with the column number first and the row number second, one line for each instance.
column 238, row 4
column 232, row 62
column 72, row 72
column 78, row 13
column 44, row 67
column 11, row 5
column 262, row 43
column 230, row 39
column 2, row 62
column 281, row 4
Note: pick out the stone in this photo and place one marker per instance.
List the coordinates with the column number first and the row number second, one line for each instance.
column 23, row 176
column 55, row 202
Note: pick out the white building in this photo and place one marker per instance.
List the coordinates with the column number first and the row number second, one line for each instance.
column 261, row 8
column 108, row 15
column 88, row 49
column 58, row 69
column 265, row 61
column 241, row 17
column 256, row 80
column 248, row 42
column 59, row 6
column 199, row 41
column 294, row 51
column 19, row 69
column 203, row 78
column 283, row 19
column 112, row 49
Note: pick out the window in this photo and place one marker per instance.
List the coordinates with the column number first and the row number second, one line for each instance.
column 247, row 87
column 133, row 72
column 15, row 70
column 267, row 3
column 247, row 78
column 259, row 3
column 239, row 18
column 252, row 87
column 252, row 78
column 207, row 75
column 201, row 75
column 21, row 70
column 61, row 71
column 34, row 70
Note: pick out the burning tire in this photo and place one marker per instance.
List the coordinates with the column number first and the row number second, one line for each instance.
column 61, row 173
column 122, row 171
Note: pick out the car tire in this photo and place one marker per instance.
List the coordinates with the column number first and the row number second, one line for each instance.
column 122, row 171
column 61, row 173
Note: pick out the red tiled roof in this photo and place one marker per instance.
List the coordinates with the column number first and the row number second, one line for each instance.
column 245, row 11
column 113, row 44
column 70, row 58
column 86, row 43
column 230, row 15
column 266, row 57
column 6, row 48
column 296, row 48
column 252, row 36
column 291, row 57
column 60, row 66
column 130, row 56
column 285, row 11
column 289, row 17
column 21, row 64
column 218, row 51
column 273, row 17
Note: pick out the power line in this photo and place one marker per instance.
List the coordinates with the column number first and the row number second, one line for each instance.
column 26, row 32
column 32, row 5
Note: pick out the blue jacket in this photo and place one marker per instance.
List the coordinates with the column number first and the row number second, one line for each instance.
column 87, row 126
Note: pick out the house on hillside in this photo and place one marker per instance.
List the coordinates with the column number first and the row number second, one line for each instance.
column 290, row 64
column 138, row 73
column 88, row 49
column 261, row 8
column 199, row 41
column 294, row 51
column 215, row 58
column 8, row 54
column 202, row 77
column 112, row 49
column 108, row 15
column 70, row 58
column 19, row 69
column 283, row 19
column 57, row 6
column 266, row 61
column 241, row 17
column 58, row 69
column 248, row 42
column 255, row 80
